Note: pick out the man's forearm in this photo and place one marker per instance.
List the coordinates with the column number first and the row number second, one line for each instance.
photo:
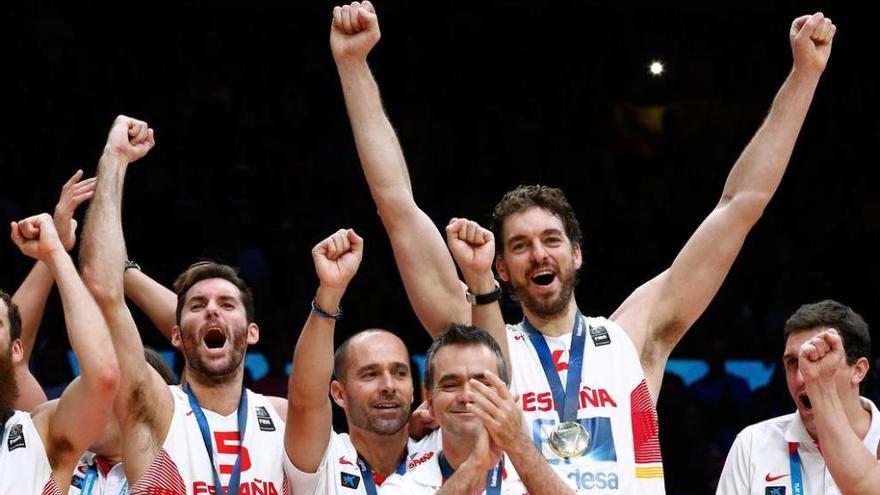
column 853, row 467
column 31, row 299
column 534, row 471
column 464, row 481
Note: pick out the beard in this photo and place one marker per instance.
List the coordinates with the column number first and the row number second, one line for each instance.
column 548, row 309
column 8, row 382
column 360, row 416
column 209, row 374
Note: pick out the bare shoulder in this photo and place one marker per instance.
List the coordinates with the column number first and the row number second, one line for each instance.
column 280, row 405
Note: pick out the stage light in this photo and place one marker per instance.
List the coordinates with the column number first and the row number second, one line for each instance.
column 656, row 68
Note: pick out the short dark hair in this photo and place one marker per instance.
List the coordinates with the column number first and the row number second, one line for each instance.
column 524, row 197
column 340, row 357
column 13, row 315
column 828, row 313
column 458, row 334
column 158, row 363
column 204, row 270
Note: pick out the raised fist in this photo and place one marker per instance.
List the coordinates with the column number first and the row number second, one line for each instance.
column 74, row 193
column 472, row 246
column 354, row 31
column 130, row 138
column 36, row 236
column 811, row 37
column 819, row 358
column 337, row 258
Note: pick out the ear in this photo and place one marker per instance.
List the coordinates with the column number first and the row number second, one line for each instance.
column 176, row 339
column 860, row 370
column 17, row 352
column 577, row 255
column 431, row 407
column 336, row 393
column 253, row 334
column 501, row 268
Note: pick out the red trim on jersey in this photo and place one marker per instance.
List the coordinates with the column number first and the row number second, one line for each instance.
column 162, row 478
column 646, row 433
column 51, row 487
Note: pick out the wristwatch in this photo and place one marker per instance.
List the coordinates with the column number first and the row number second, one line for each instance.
column 480, row 299
column 131, row 264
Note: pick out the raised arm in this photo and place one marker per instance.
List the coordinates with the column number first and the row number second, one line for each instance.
column 158, row 302
column 143, row 406
column 424, row 263
column 473, row 248
column 658, row 314
column 83, row 409
column 309, row 414
column 853, row 467
column 31, row 296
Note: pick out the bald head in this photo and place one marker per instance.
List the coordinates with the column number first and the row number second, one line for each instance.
column 360, row 347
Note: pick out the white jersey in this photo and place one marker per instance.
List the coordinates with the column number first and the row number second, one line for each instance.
column 615, row 407
column 25, row 466
column 339, row 473
column 759, row 462
column 182, row 465
column 94, row 476
column 426, row 479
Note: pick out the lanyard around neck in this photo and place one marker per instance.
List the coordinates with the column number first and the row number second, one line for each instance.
column 493, row 477
column 235, row 478
column 367, row 472
column 797, row 480
column 565, row 400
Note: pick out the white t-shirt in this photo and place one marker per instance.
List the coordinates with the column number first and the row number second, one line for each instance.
column 339, row 473
column 94, row 477
column 615, row 407
column 759, row 458
column 426, row 479
column 25, row 466
column 182, row 465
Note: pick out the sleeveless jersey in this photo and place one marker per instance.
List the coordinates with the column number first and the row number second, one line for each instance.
column 614, row 405
column 25, row 466
column 182, row 465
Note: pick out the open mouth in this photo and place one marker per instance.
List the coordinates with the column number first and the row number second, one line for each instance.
column 805, row 400
column 214, row 339
column 386, row 406
column 544, row 278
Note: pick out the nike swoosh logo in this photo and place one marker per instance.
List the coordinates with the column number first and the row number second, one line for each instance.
column 343, row 460
column 771, row 479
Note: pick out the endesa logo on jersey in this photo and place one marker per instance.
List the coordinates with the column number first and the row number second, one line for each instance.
column 255, row 487
column 593, row 480
column 589, row 397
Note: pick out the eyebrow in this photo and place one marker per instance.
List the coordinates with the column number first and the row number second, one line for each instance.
column 545, row 232
column 394, row 365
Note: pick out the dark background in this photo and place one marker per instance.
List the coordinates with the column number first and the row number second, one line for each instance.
column 255, row 161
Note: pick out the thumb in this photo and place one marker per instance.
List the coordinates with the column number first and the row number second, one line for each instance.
column 810, row 26
column 357, row 242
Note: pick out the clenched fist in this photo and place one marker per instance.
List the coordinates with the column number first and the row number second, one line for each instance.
column 811, row 37
column 337, row 258
column 36, row 237
column 354, row 31
column 130, row 139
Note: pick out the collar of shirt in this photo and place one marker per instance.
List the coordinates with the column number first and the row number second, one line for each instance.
column 797, row 432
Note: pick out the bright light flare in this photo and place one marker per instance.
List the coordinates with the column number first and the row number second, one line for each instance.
column 656, row 68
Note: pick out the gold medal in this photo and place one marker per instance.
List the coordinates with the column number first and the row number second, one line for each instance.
column 569, row 439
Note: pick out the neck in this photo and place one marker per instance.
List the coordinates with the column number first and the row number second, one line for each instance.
column 457, row 450
column 859, row 418
column 219, row 397
column 554, row 325
column 382, row 452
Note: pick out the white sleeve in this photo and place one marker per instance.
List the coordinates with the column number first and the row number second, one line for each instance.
column 303, row 483
column 736, row 475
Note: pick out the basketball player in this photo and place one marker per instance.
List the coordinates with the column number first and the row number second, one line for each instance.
column 39, row 449
column 211, row 435
column 599, row 428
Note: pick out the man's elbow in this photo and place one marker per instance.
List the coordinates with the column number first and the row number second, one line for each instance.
column 105, row 293
column 103, row 380
column 747, row 207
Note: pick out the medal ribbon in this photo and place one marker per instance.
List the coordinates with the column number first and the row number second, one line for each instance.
column 797, row 480
column 565, row 401
column 493, row 477
column 235, row 478
column 367, row 472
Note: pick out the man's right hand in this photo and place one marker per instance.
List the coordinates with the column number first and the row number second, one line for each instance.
column 129, row 139
column 337, row 258
column 811, row 37
column 820, row 357
column 354, row 31
column 473, row 248
column 36, row 237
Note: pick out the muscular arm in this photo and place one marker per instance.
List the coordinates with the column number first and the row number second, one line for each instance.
column 535, row 472
column 31, row 299
column 143, row 405
column 659, row 313
column 157, row 301
column 424, row 263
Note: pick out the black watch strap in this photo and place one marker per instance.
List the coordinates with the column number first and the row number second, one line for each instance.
column 480, row 299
